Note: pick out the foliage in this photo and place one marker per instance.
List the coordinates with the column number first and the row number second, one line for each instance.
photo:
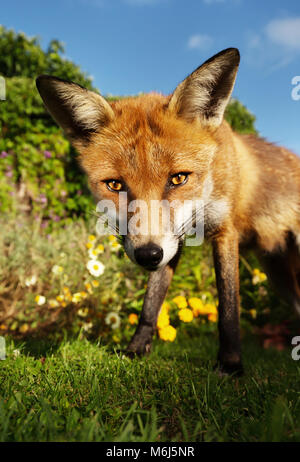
column 80, row 391
column 239, row 117
column 23, row 56
column 49, row 286
column 37, row 164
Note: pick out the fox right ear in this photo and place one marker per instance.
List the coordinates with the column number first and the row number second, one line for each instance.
column 78, row 111
column 205, row 93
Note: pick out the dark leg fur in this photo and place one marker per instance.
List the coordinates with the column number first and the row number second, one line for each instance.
column 157, row 288
column 226, row 260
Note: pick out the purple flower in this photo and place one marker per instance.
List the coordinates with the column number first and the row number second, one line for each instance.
column 3, row 154
column 47, row 154
column 9, row 173
column 42, row 199
column 63, row 193
column 79, row 192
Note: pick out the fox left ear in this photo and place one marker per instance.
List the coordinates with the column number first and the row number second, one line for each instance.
column 77, row 110
column 205, row 93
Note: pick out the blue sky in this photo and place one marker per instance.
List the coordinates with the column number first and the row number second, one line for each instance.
column 130, row 46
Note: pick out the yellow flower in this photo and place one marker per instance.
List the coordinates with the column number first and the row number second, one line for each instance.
column 60, row 298
column 253, row 313
column 168, row 333
column 133, row 318
column 209, row 308
column 89, row 245
column 165, row 307
column 163, row 320
column 262, row 277
column 258, row 276
column 185, row 315
column 83, row 312
column 53, row 303
column 213, row 317
column 57, row 270
column 95, row 283
column 40, row 300
column 91, row 237
column 24, row 328
column 67, row 292
column 112, row 238
column 180, row 301
column 93, row 254
column 197, row 306
column 3, row 326
column 115, row 246
column 88, row 287
column 100, row 248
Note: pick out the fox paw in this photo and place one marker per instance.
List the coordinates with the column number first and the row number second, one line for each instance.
column 232, row 369
column 138, row 349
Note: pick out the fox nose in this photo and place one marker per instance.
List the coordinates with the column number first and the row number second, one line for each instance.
column 149, row 255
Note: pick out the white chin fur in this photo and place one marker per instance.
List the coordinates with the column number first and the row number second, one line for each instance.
column 169, row 244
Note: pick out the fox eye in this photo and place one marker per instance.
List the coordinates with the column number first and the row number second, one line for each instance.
column 179, row 179
column 114, row 185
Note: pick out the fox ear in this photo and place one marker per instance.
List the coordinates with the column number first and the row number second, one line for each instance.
column 78, row 111
column 205, row 93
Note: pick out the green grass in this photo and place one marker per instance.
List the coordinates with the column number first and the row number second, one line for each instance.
column 81, row 391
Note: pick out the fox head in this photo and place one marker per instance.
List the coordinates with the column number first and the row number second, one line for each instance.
column 153, row 147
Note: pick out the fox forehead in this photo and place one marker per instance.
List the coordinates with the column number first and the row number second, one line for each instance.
column 145, row 140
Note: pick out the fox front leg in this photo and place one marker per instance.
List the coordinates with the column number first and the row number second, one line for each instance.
column 157, row 288
column 226, row 260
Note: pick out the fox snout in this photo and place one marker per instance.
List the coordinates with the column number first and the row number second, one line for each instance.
column 151, row 252
column 149, row 256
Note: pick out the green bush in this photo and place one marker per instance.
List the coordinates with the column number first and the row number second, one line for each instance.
column 239, row 117
column 37, row 164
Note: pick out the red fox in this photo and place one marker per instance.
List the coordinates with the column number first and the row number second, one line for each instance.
column 178, row 147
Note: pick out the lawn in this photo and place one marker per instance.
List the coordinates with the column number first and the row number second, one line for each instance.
column 80, row 390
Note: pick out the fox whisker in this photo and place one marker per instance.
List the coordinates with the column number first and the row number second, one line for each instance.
column 105, row 221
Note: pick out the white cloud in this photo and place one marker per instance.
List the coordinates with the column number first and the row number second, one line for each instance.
column 200, row 42
column 276, row 45
column 284, row 32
